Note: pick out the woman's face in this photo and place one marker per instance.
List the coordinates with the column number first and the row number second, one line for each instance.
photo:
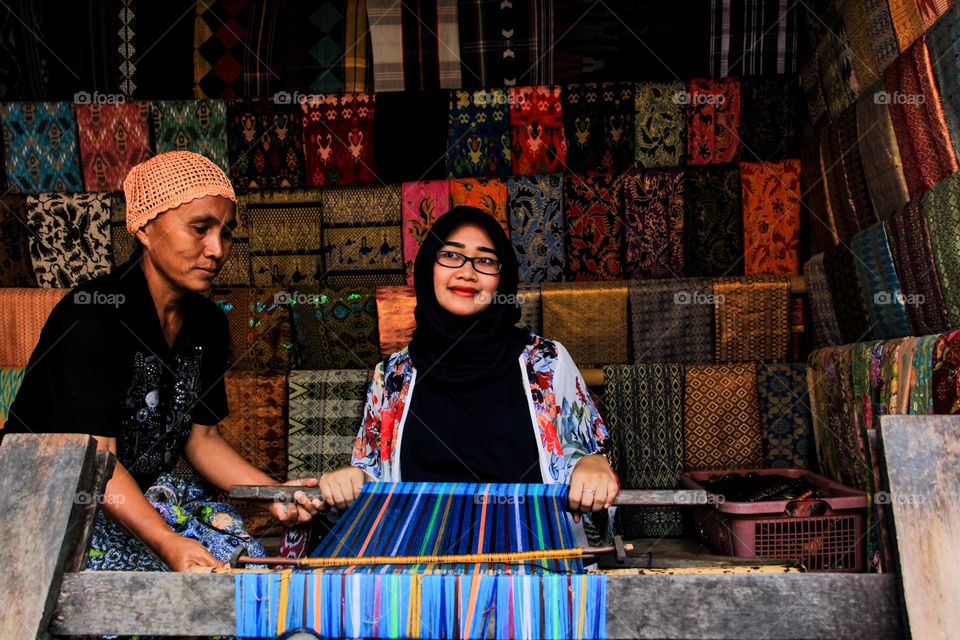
column 462, row 290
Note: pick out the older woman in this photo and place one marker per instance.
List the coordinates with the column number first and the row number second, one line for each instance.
column 474, row 398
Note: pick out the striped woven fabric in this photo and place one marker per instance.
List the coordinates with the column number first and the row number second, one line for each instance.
column 10, row 379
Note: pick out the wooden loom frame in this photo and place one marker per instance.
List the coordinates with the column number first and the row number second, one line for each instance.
column 50, row 486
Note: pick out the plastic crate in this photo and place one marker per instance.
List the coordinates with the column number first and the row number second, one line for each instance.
column 832, row 540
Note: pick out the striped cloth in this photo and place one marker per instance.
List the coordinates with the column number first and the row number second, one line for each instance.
column 752, row 37
column 40, row 147
column 415, row 46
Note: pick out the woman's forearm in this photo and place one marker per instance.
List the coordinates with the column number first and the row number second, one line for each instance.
column 214, row 459
column 125, row 503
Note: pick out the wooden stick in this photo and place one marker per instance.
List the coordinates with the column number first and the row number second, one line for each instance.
column 657, row 497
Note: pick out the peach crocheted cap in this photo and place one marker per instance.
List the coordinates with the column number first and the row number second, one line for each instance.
column 168, row 180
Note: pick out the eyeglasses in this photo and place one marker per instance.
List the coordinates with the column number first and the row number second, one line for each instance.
column 481, row 264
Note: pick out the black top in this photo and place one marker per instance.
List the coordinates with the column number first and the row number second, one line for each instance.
column 103, row 367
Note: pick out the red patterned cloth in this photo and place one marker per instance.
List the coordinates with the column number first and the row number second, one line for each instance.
column 713, row 120
column 771, row 217
column 113, row 138
column 536, row 128
column 594, row 228
column 918, row 121
column 338, row 139
column 945, row 381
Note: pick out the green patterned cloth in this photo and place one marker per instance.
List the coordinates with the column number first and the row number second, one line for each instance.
column 784, row 407
column 326, row 409
column 659, row 125
column 644, row 413
column 10, row 379
column 335, row 329
column 941, row 207
column 192, row 125
column 921, row 384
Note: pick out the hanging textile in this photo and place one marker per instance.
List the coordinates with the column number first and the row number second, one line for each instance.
column 721, row 419
column 113, row 139
column 265, row 144
column 672, row 320
column 752, row 38
column 818, row 292
column 284, row 238
column 594, row 231
column 912, row 252
column 846, row 294
column 915, row 380
column 856, row 24
column 192, row 125
column 416, row 45
column 40, row 147
column 798, row 329
column 713, row 120
column 234, row 44
column 771, row 217
column 423, row 203
column 256, row 430
column 846, row 444
column 506, row 43
column 326, row 47
column 906, row 21
column 259, row 324
column 840, row 86
column 853, row 168
column 945, row 380
column 644, row 413
column 538, row 144
column 941, row 208
column 843, row 206
column 325, row 409
column 653, row 203
column 769, row 127
column 362, row 232
column 945, row 60
column 784, row 407
column 531, row 316
column 69, row 237
column 487, row 194
column 338, row 139
column 335, row 328
column 823, row 228
column 395, row 318
column 713, row 221
column 752, row 319
column 882, row 166
column 411, row 134
column 600, row 120
column 588, row 318
column 478, row 138
column 883, row 36
column 660, row 124
column 24, row 312
column 865, row 405
column 10, row 379
column 919, row 123
column 536, row 226
column 16, row 268
column 813, row 91
column 123, row 244
column 236, row 272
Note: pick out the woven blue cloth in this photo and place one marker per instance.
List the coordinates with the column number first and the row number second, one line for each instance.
column 882, row 294
column 40, row 140
column 536, row 226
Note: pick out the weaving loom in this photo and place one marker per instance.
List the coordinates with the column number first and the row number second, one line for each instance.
column 424, row 560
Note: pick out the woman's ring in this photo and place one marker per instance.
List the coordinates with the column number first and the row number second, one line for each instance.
column 589, row 491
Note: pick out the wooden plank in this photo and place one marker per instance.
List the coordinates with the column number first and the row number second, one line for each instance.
column 40, row 478
column 658, row 497
column 922, row 455
column 747, row 606
column 89, row 506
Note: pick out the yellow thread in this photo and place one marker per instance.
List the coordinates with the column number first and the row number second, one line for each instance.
column 284, row 596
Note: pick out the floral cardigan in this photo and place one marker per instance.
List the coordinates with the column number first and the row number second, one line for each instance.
column 562, row 413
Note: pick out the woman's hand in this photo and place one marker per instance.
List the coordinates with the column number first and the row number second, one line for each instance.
column 593, row 486
column 302, row 509
column 184, row 554
column 341, row 487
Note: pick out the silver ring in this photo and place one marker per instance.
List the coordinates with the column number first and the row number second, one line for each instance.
column 589, row 491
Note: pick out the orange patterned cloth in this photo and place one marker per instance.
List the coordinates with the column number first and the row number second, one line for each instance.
column 23, row 312
column 488, row 194
column 771, row 217
column 722, row 428
column 395, row 307
column 113, row 138
column 257, row 429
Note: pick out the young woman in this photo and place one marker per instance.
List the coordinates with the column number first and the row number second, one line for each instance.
column 474, row 398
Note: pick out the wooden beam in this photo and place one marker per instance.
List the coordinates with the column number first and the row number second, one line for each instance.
column 746, row 606
column 41, row 477
column 646, row 497
column 922, row 456
column 102, row 472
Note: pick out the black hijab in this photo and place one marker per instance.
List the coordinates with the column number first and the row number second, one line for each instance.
column 456, row 349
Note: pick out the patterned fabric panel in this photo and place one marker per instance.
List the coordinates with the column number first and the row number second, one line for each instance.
column 722, row 424
column 69, row 237
column 536, row 226
column 40, row 147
